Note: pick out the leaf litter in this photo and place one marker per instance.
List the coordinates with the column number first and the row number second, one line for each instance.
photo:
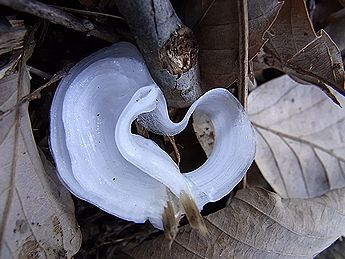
column 255, row 222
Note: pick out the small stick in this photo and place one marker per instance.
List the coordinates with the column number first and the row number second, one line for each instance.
column 86, row 12
column 242, row 6
column 243, row 51
column 168, row 47
column 39, row 73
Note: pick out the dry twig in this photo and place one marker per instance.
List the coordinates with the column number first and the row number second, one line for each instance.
column 243, row 51
column 169, row 48
column 243, row 57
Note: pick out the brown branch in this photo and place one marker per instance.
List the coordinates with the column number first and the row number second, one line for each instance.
column 242, row 7
column 169, row 48
column 60, row 17
column 243, row 51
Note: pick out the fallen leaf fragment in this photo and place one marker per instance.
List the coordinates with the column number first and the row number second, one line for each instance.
column 10, row 64
column 296, row 49
column 258, row 224
column 12, row 34
column 300, row 138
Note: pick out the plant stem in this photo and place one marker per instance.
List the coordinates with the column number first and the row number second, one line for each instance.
column 242, row 7
column 243, row 51
column 169, row 48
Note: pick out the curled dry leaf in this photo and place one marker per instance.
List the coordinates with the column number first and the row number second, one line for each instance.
column 36, row 211
column 300, row 138
column 216, row 26
column 294, row 48
column 259, row 224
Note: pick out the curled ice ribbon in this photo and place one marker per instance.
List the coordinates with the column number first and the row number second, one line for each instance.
column 98, row 158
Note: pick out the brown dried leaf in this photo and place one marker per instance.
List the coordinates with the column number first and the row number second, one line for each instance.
column 300, row 138
column 36, row 211
column 259, row 224
column 294, row 48
column 12, row 34
column 217, row 35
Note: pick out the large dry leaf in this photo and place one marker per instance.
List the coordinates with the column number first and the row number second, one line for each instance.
column 294, row 48
column 259, row 224
column 300, row 138
column 36, row 211
column 217, row 35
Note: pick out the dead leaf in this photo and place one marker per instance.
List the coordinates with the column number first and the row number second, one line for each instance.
column 300, row 138
column 217, row 35
column 12, row 34
column 294, row 48
column 10, row 64
column 204, row 131
column 258, row 224
column 36, row 211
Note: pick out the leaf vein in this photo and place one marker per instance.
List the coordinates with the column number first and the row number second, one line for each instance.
column 249, row 245
column 188, row 249
column 275, row 161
